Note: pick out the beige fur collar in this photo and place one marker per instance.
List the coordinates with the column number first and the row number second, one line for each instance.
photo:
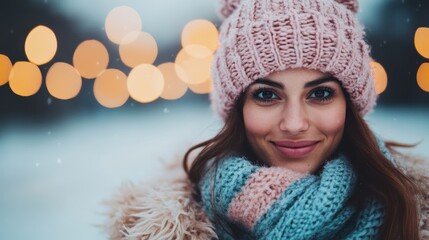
column 158, row 209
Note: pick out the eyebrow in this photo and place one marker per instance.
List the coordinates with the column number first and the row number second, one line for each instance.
column 320, row 81
column 307, row 85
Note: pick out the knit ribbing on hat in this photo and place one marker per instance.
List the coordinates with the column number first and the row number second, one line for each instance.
column 265, row 36
column 352, row 5
column 227, row 7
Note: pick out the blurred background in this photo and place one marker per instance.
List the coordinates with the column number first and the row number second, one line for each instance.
column 95, row 93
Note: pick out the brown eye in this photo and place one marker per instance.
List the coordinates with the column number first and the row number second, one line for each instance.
column 265, row 95
column 321, row 94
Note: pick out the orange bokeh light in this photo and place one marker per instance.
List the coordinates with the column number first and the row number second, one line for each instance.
column 174, row 88
column 25, row 79
column 121, row 21
column 380, row 77
column 5, row 67
column 202, row 88
column 195, row 63
column 421, row 41
column 63, row 81
column 200, row 32
column 423, row 77
column 110, row 88
column 145, row 83
column 40, row 45
column 90, row 58
column 138, row 48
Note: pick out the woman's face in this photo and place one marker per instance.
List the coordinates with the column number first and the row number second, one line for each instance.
column 295, row 118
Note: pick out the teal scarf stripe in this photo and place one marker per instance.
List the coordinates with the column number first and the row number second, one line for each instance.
column 369, row 221
column 236, row 170
column 316, row 201
column 314, row 207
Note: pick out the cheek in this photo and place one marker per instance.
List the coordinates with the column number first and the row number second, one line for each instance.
column 257, row 121
column 331, row 121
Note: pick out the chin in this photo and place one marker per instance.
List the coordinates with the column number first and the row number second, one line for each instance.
column 305, row 165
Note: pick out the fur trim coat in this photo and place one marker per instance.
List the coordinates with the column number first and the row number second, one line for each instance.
column 163, row 208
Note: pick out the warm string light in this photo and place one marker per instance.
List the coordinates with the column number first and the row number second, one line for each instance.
column 121, row 21
column 110, row 88
column 90, row 58
column 41, row 45
column 421, row 42
column 174, row 87
column 423, row 77
column 380, row 77
column 199, row 41
column 5, row 67
column 63, row 81
column 25, row 78
column 137, row 50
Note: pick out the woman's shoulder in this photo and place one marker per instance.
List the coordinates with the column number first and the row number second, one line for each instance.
column 161, row 208
column 417, row 169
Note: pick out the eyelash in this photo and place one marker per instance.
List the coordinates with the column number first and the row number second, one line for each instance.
column 257, row 92
column 331, row 94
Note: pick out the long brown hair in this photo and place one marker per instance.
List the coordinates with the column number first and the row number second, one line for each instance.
column 377, row 176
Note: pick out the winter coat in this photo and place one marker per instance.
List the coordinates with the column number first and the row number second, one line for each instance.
column 163, row 208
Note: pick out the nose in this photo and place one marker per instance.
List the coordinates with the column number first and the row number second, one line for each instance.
column 294, row 119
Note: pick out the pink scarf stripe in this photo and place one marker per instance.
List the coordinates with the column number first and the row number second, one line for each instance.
column 260, row 191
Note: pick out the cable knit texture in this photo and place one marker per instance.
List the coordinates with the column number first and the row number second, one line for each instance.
column 277, row 203
column 259, row 37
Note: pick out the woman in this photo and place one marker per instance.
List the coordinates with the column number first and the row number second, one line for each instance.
column 295, row 159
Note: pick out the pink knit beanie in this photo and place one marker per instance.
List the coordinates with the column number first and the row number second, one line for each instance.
column 259, row 37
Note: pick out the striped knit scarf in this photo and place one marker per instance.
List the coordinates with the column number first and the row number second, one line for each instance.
column 277, row 203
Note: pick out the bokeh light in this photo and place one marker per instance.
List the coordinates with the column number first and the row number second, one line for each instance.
column 195, row 60
column 25, row 79
column 380, row 77
column 40, row 45
column 145, row 83
column 423, row 77
column 174, row 87
column 63, row 81
column 90, row 58
column 140, row 48
column 200, row 32
column 121, row 21
column 110, row 88
column 421, row 41
column 202, row 88
column 5, row 67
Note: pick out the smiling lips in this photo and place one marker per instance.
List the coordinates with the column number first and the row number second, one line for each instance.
column 292, row 149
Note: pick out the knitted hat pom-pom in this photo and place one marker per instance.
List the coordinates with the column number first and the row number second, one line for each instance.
column 352, row 5
column 227, row 7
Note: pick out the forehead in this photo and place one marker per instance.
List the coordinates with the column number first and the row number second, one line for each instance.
column 299, row 74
